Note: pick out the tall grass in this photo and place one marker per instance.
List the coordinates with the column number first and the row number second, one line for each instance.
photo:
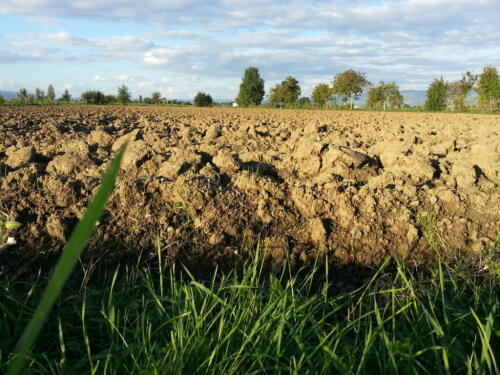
column 160, row 319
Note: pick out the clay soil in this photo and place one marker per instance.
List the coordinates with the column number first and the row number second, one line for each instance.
column 207, row 185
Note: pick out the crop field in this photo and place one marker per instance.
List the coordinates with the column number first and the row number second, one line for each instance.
column 354, row 242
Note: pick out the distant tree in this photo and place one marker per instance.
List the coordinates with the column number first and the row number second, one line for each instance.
column 93, row 97
column 460, row 89
column 66, row 96
column 39, row 95
column 140, row 99
column 437, row 95
column 203, row 100
column 110, row 99
column 51, row 95
column 251, row 88
column 156, row 97
column 349, row 84
column 2, row 100
column 148, row 100
column 123, row 95
column 489, row 89
column 285, row 93
column 304, row 100
column 384, row 95
column 396, row 100
column 321, row 94
column 23, row 95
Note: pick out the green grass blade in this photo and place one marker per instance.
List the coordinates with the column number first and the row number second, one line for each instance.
column 69, row 257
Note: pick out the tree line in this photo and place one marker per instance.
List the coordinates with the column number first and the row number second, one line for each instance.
column 349, row 85
column 344, row 89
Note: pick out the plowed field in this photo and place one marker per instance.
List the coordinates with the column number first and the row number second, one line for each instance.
column 207, row 185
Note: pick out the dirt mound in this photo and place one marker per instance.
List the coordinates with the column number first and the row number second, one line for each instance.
column 208, row 184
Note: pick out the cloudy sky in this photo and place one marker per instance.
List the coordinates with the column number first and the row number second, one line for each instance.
column 181, row 47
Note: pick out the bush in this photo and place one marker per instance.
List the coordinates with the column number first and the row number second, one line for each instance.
column 203, row 100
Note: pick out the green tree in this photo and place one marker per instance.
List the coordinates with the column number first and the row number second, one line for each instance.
column 39, row 95
column 285, row 93
column 203, row 100
column 156, row 97
column 51, row 95
column 110, row 99
column 304, row 101
column 123, row 95
column 322, row 94
column 489, row 89
column 66, row 97
column 384, row 95
column 349, row 84
column 251, row 88
column 93, row 97
column 23, row 95
column 2, row 100
column 460, row 89
column 140, row 99
column 437, row 95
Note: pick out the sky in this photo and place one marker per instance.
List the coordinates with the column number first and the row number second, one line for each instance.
column 185, row 46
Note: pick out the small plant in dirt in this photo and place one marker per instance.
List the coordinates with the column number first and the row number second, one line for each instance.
column 496, row 179
column 6, row 225
column 427, row 224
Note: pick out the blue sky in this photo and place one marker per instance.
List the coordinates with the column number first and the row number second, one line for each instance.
column 184, row 46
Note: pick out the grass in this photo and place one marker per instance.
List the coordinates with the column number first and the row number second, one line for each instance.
column 158, row 318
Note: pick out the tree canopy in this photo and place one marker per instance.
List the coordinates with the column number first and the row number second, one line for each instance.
column 156, row 97
column 203, row 100
column 251, row 88
column 349, row 84
column 322, row 94
column 51, row 95
column 437, row 95
column 93, row 97
column 124, row 95
column 384, row 95
column 489, row 89
column 460, row 89
column 285, row 93
column 66, row 97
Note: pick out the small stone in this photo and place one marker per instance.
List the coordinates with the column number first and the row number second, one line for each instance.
column 414, row 203
column 317, row 231
column 433, row 199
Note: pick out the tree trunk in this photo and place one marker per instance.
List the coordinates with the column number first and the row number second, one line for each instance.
column 351, row 101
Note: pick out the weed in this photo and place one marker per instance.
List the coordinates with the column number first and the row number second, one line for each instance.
column 6, row 225
column 427, row 224
column 496, row 179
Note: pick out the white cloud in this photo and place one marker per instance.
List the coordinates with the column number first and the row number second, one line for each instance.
column 205, row 43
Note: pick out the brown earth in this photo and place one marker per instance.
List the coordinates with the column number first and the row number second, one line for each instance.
column 207, row 185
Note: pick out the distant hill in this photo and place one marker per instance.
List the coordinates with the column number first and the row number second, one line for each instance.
column 411, row 97
column 8, row 94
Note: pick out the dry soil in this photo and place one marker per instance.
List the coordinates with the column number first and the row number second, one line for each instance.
column 207, row 185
